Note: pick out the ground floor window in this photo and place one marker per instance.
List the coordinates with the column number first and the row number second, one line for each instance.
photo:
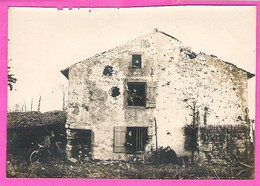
column 136, row 138
column 81, row 143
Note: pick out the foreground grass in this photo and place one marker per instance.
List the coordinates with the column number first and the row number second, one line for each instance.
column 56, row 168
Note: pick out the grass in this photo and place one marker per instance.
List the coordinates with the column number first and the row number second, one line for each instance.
column 18, row 166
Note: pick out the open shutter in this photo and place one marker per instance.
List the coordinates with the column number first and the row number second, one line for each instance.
column 151, row 95
column 120, row 135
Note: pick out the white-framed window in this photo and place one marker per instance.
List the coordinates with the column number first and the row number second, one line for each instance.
column 136, row 61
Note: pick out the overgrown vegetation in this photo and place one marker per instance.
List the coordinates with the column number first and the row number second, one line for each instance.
column 18, row 166
column 34, row 118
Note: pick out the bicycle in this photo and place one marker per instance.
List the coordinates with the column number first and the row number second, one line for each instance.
column 40, row 154
column 162, row 156
column 149, row 157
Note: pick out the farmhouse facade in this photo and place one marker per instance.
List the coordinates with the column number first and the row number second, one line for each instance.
column 119, row 98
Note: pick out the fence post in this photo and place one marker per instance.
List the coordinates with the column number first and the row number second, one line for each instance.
column 156, row 141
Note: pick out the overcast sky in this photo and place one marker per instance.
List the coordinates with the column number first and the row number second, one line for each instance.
column 45, row 40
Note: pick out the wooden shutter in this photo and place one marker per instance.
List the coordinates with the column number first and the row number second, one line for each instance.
column 120, row 138
column 151, row 95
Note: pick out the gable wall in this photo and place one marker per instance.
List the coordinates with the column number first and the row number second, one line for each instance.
column 204, row 79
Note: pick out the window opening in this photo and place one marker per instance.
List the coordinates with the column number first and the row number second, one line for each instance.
column 136, row 139
column 136, row 94
column 136, row 61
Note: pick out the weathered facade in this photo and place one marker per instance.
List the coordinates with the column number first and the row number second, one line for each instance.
column 116, row 96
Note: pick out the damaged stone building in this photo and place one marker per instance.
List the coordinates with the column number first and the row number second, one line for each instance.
column 116, row 97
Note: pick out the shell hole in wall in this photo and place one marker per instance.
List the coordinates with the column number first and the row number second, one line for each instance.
column 115, row 92
column 108, row 70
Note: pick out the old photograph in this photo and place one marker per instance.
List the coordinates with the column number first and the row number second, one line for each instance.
column 132, row 93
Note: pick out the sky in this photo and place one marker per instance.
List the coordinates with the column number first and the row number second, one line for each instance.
column 43, row 41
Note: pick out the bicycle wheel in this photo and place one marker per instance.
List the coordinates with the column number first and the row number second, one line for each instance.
column 149, row 157
column 44, row 155
column 34, row 157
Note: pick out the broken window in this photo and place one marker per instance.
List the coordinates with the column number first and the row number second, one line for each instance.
column 136, row 61
column 136, row 139
column 136, row 94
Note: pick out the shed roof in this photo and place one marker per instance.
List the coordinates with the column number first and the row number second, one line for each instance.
column 35, row 119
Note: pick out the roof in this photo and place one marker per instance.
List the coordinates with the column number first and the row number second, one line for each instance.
column 65, row 71
column 35, row 119
column 249, row 74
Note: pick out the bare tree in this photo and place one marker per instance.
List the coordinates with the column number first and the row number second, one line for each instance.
column 39, row 103
column 24, row 105
column 31, row 104
column 194, row 126
column 64, row 91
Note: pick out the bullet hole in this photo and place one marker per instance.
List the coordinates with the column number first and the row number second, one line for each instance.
column 234, row 88
column 115, row 92
column 168, row 133
column 85, row 107
column 168, row 83
column 108, row 70
column 163, row 69
column 76, row 111
column 239, row 118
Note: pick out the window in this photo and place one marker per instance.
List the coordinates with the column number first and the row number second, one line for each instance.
column 130, row 139
column 136, row 138
column 140, row 93
column 136, row 61
column 136, row 94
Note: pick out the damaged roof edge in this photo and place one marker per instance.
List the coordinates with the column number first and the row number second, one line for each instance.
column 65, row 72
column 249, row 74
column 169, row 36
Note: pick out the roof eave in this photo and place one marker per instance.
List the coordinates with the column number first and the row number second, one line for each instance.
column 65, row 72
column 250, row 75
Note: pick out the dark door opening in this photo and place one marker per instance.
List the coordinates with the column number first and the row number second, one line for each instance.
column 81, row 143
column 136, row 139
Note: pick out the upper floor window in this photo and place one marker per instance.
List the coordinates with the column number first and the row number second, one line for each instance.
column 136, row 94
column 140, row 94
column 137, row 61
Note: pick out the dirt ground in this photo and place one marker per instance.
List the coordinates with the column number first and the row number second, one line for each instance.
column 18, row 166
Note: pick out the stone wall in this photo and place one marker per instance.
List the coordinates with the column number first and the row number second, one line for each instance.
column 179, row 74
column 225, row 144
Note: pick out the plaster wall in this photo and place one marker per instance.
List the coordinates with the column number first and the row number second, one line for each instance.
column 178, row 73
